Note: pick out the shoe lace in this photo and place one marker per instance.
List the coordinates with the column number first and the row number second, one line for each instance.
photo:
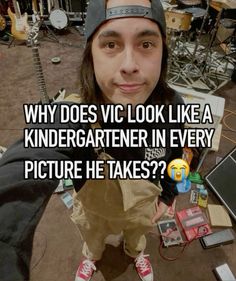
column 142, row 263
column 87, row 267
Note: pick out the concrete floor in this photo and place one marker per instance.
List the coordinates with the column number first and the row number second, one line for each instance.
column 57, row 243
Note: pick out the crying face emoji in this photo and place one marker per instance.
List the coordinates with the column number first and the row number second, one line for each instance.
column 178, row 169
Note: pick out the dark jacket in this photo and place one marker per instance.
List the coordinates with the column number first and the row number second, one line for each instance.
column 22, row 202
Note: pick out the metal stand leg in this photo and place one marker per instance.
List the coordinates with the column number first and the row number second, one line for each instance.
column 200, row 32
column 202, row 158
column 50, row 34
column 11, row 42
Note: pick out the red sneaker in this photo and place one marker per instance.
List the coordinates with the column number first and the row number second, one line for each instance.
column 85, row 270
column 143, row 267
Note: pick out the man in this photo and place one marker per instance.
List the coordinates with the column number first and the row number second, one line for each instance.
column 127, row 64
column 124, row 62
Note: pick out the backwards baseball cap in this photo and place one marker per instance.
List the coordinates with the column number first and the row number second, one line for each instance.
column 97, row 13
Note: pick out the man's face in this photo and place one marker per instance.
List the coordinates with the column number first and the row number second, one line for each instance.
column 127, row 55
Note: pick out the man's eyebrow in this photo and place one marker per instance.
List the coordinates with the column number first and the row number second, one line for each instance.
column 148, row 32
column 109, row 33
column 143, row 33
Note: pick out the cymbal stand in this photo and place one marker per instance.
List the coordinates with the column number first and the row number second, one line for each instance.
column 198, row 63
column 213, row 36
column 200, row 32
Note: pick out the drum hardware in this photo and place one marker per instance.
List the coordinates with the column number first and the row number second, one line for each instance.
column 178, row 72
column 189, row 74
column 227, row 18
column 197, row 63
column 177, row 22
column 188, row 68
column 184, row 63
column 212, row 38
column 199, row 34
column 193, row 7
column 48, row 32
column 193, row 65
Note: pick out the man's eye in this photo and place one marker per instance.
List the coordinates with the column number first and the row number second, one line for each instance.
column 147, row 45
column 111, row 45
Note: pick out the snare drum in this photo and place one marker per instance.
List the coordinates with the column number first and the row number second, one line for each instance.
column 58, row 19
column 178, row 20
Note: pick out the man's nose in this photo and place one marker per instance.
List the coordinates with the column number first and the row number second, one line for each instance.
column 129, row 64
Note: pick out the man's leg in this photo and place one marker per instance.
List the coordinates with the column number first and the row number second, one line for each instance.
column 134, row 246
column 93, row 232
column 134, row 241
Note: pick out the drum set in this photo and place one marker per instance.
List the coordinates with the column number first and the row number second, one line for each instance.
column 187, row 60
column 180, row 21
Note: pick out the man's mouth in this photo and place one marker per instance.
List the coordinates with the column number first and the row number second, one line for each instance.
column 130, row 87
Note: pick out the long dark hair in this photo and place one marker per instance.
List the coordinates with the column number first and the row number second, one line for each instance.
column 91, row 93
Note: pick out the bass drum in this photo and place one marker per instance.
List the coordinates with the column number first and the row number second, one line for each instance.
column 58, row 19
column 178, row 20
